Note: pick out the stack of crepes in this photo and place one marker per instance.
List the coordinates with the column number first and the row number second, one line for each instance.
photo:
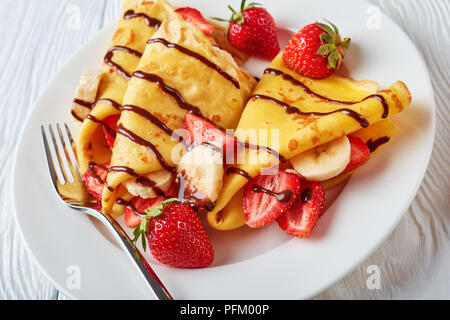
column 180, row 70
column 305, row 113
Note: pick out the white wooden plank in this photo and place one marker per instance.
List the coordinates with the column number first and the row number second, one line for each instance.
column 38, row 37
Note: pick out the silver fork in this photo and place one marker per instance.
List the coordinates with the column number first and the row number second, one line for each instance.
column 64, row 172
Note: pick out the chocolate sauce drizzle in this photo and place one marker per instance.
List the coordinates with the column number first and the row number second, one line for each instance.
column 276, row 154
column 294, row 81
column 144, row 181
column 110, row 102
column 198, row 57
column 105, row 125
column 283, row 197
column 151, row 22
column 170, row 91
column 234, row 170
column 291, row 110
column 136, row 139
column 150, row 117
column 91, row 171
column 128, row 204
column 83, row 103
column 109, row 55
column 74, row 114
column 374, row 145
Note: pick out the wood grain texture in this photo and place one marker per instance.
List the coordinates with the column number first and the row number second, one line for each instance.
column 39, row 36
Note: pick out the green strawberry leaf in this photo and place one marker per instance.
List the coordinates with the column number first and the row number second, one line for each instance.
column 326, row 38
column 326, row 28
column 336, row 31
column 142, row 229
column 332, row 59
column 326, row 49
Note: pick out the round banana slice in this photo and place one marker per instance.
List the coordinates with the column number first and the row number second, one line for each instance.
column 161, row 180
column 323, row 162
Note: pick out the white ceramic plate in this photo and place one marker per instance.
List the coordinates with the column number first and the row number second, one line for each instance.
column 262, row 264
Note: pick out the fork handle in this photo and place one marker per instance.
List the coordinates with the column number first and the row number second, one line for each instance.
column 134, row 255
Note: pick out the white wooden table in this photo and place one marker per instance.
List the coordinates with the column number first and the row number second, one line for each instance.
column 38, row 36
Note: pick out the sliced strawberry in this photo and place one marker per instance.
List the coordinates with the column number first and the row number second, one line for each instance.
column 194, row 16
column 201, row 131
column 266, row 197
column 360, row 153
column 172, row 192
column 132, row 219
column 301, row 218
column 94, row 179
column 110, row 123
column 132, row 213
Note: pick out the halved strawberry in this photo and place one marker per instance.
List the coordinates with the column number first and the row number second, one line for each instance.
column 300, row 219
column 201, row 131
column 111, row 123
column 172, row 192
column 360, row 153
column 94, row 179
column 194, row 16
column 133, row 218
column 266, row 197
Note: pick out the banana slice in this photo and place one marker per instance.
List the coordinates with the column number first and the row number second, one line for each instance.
column 86, row 93
column 150, row 185
column 201, row 176
column 323, row 162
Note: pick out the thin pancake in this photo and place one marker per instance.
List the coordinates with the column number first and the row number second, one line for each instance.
column 305, row 113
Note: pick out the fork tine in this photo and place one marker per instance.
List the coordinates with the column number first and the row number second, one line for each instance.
column 64, row 154
column 55, row 146
column 49, row 158
column 72, row 155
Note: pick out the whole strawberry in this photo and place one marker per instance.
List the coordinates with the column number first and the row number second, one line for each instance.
column 252, row 30
column 316, row 51
column 176, row 236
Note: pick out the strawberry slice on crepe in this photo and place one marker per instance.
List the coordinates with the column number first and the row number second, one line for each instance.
column 138, row 207
column 201, row 131
column 266, row 197
column 194, row 16
column 301, row 218
column 110, row 128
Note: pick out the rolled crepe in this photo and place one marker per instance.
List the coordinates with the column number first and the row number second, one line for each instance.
column 306, row 113
column 139, row 21
column 182, row 70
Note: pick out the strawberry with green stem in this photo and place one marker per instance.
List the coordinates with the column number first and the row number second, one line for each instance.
column 316, row 51
column 253, row 31
column 175, row 235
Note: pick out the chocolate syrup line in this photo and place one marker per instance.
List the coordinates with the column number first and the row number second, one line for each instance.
column 151, row 22
column 128, row 204
column 283, row 197
column 170, row 91
column 74, row 114
column 234, row 170
column 93, row 173
column 295, row 82
column 136, row 139
column 107, row 128
column 83, row 103
column 266, row 149
column 291, row 110
column 374, row 145
column 150, row 117
column 144, row 181
column 109, row 55
column 198, row 57
column 110, row 102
